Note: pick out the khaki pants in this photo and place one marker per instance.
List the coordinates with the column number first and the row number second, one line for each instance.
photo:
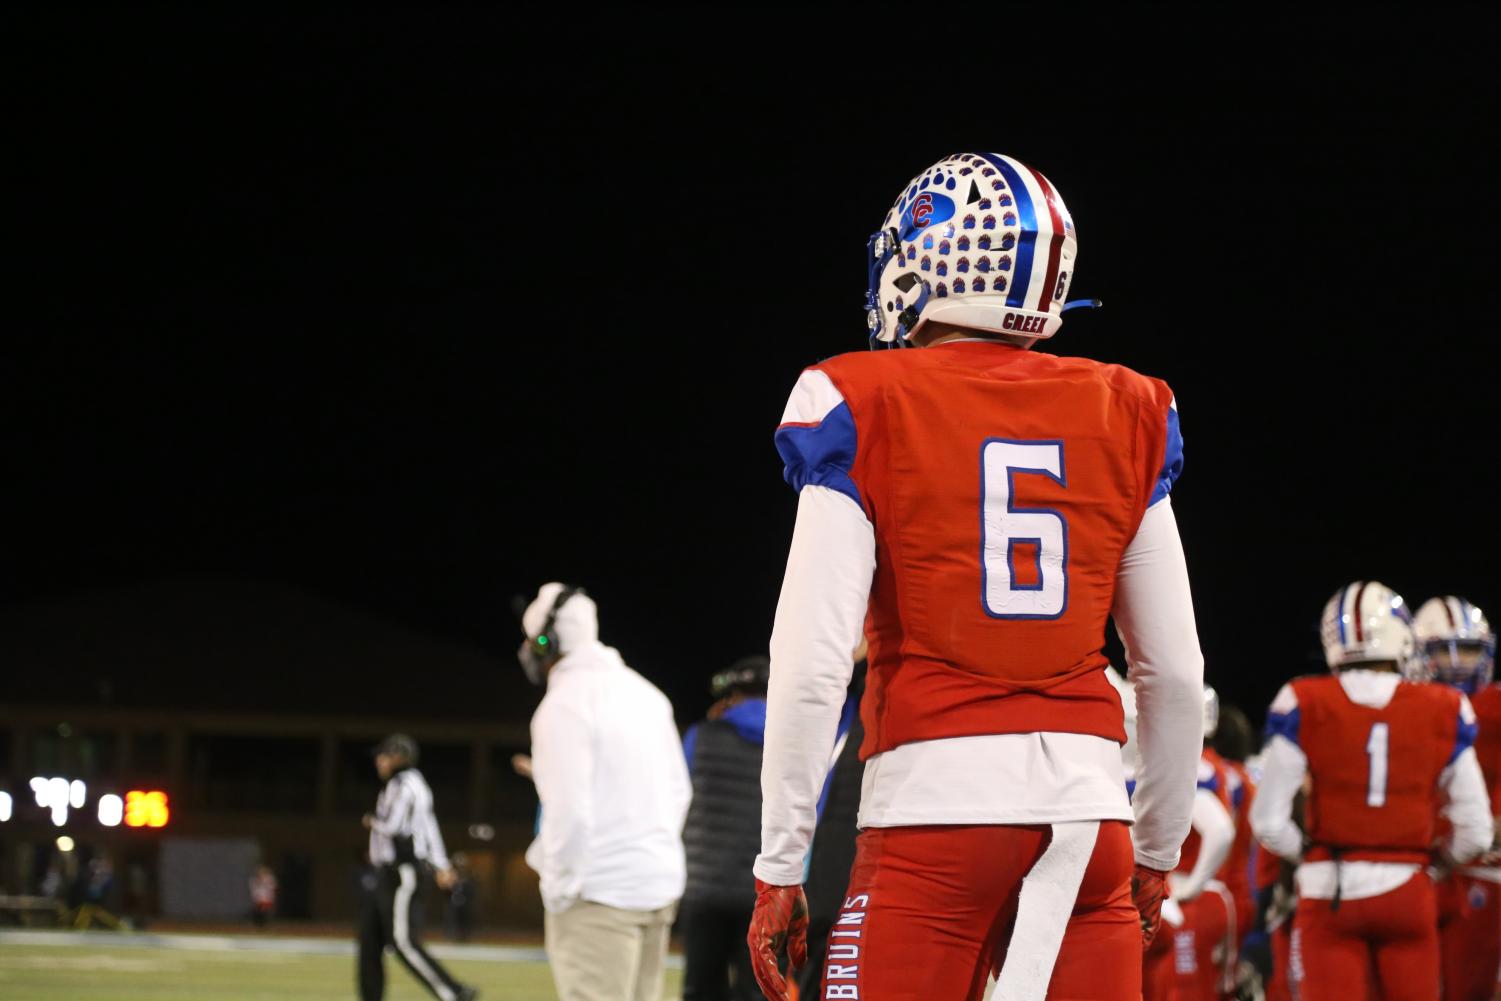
column 601, row 953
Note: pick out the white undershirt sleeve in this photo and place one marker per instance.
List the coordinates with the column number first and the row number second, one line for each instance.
column 1283, row 768
column 820, row 616
column 1467, row 808
column 1154, row 616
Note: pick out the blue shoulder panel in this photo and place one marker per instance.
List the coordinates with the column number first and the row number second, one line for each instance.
column 821, row 454
column 1283, row 725
column 1172, row 459
column 1464, row 739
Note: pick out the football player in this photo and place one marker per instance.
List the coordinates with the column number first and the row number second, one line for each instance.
column 1385, row 756
column 983, row 509
column 1459, row 649
column 1188, row 964
column 1231, row 746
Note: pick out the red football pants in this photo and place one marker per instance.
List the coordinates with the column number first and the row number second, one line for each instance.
column 1181, row 964
column 1382, row 947
column 1206, row 925
column 1471, row 938
column 930, row 910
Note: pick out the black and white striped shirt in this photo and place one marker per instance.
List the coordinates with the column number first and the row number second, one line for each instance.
column 405, row 828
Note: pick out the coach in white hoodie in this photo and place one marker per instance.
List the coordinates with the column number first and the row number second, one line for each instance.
column 609, row 770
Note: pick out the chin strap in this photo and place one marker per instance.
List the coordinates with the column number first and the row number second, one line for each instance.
column 907, row 318
column 1082, row 304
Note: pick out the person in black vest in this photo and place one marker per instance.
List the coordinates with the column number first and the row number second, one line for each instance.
column 723, row 834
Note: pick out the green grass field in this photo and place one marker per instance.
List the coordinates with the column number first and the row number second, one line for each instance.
column 101, row 973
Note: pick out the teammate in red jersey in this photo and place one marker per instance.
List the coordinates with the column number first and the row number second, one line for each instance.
column 1273, row 882
column 1385, row 757
column 982, row 509
column 1459, row 649
column 1231, row 745
column 1188, row 963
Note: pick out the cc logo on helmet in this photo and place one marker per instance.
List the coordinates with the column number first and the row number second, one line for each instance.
column 927, row 209
column 922, row 210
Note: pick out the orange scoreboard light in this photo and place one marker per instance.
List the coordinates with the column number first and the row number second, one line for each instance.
column 146, row 809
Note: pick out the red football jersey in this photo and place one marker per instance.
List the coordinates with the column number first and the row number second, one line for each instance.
column 1239, row 794
column 1373, row 791
column 1004, row 486
column 1487, row 706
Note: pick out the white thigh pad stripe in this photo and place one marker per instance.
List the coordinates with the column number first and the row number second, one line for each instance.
column 1047, row 899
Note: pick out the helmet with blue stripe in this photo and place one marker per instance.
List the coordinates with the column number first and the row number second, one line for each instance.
column 978, row 240
column 1456, row 641
column 1367, row 622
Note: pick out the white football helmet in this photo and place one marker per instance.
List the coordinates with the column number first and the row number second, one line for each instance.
column 1211, row 711
column 1365, row 622
column 1456, row 642
column 978, row 240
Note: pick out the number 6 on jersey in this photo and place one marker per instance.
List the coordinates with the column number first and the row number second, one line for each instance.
column 1037, row 586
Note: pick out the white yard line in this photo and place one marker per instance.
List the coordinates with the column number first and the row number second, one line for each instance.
column 261, row 943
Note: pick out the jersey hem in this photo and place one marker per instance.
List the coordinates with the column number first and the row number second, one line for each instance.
column 968, row 815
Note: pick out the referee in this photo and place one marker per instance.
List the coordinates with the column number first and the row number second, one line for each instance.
column 404, row 838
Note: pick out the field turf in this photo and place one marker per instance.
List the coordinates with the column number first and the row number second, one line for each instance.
column 97, row 971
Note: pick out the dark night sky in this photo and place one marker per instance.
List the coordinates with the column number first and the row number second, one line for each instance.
column 416, row 311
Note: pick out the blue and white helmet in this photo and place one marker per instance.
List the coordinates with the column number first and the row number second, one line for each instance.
column 1457, row 643
column 978, row 240
column 1368, row 622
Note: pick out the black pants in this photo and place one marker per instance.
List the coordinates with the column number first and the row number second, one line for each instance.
column 389, row 913
column 716, row 959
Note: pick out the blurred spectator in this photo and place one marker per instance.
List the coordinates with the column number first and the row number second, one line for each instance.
column 262, row 895
column 137, row 893
column 54, row 883
column 460, row 909
column 99, row 881
column 723, row 834
column 89, row 898
column 610, row 775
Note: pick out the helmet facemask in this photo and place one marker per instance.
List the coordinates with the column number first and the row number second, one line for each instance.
column 1465, row 664
column 1457, row 643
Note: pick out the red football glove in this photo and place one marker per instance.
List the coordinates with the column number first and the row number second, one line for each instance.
column 1148, row 889
column 780, row 918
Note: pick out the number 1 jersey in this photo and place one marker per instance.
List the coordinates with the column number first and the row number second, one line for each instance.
column 1374, row 770
column 1003, row 486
